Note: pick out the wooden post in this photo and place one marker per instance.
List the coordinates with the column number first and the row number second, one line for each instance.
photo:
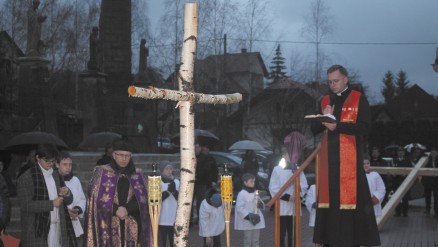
column 400, row 192
column 187, row 136
column 297, row 213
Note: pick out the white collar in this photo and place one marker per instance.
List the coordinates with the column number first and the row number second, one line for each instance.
column 339, row 94
column 46, row 173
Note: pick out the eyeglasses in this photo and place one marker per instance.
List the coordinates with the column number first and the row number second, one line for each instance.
column 335, row 81
column 125, row 156
column 51, row 161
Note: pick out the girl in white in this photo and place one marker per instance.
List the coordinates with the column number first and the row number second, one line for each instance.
column 77, row 208
column 280, row 175
column 248, row 216
column 169, row 188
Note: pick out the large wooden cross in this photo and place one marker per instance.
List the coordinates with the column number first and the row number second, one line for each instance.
column 408, row 182
column 186, row 99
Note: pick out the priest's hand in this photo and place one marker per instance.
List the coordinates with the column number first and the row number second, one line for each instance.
column 122, row 213
column 330, row 126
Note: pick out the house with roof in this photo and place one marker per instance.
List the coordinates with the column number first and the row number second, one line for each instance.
column 278, row 110
column 409, row 117
column 243, row 72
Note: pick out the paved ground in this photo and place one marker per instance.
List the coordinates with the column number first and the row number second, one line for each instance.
column 417, row 230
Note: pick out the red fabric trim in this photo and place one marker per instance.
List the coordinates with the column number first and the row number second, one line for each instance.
column 348, row 158
column 348, row 154
column 323, row 193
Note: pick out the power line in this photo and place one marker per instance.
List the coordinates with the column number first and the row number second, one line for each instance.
column 340, row 43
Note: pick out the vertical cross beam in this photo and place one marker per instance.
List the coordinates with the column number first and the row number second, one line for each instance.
column 186, row 99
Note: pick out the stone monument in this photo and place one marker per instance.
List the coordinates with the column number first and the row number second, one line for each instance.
column 35, row 19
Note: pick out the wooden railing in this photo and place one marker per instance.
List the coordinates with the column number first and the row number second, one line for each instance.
column 276, row 199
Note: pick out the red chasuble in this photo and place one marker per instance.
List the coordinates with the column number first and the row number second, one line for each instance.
column 348, row 155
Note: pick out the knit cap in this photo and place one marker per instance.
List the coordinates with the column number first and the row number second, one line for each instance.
column 164, row 164
column 216, row 200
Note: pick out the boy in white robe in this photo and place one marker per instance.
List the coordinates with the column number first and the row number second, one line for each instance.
column 248, row 216
column 377, row 186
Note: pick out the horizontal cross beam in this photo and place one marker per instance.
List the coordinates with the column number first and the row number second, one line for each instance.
column 161, row 93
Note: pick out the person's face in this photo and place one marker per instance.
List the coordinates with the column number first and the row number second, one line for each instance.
column 250, row 183
column 46, row 163
column 122, row 158
column 366, row 165
column 65, row 166
column 337, row 81
column 375, row 153
column 167, row 172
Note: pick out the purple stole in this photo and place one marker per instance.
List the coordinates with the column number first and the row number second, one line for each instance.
column 106, row 191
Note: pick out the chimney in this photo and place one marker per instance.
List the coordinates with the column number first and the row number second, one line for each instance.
column 244, row 50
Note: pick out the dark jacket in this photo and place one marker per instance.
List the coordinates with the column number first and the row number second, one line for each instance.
column 5, row 204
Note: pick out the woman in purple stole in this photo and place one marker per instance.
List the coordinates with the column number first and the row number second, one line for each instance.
column 117, row 208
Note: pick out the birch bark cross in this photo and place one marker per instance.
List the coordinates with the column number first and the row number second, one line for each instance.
column 186, row 99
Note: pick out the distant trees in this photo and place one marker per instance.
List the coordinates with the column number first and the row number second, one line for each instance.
column 318, row 26
column 394, row 87
column 278, row 67
column 402, row 82
column 388, row 89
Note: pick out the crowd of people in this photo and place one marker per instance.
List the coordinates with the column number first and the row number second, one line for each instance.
column 55, row 211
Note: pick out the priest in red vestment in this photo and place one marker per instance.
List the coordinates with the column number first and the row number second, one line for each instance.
column 345, row 215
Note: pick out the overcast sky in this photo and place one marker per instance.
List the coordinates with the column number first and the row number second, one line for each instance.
column 408, row 30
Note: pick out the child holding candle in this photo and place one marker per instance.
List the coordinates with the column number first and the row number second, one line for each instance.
column 248, row 216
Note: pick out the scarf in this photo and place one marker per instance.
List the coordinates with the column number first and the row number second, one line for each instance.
column 347, row 158
column 250, row 190
column 42, row 220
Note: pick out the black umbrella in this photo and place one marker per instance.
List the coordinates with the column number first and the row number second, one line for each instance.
column 25, row 142
column 202, row 136
column 98, row 140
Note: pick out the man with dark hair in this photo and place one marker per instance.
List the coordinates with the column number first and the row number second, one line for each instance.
column 206, row 173
column 344, row 203
column 43, row 199
column 117, row 206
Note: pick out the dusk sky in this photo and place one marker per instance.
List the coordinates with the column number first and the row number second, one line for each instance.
column 369, row 37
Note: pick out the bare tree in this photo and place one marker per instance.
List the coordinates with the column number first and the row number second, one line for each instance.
column 317, row 28
column 256, row 21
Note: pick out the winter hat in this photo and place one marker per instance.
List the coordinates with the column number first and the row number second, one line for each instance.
column 122, row 145
column 164, row 164
column 216, row 200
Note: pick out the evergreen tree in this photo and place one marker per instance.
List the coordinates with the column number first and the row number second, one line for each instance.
column 402, row 83
column 388, row 89
column 277, row 66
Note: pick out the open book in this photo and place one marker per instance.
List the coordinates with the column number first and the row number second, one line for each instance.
column 327, row 118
